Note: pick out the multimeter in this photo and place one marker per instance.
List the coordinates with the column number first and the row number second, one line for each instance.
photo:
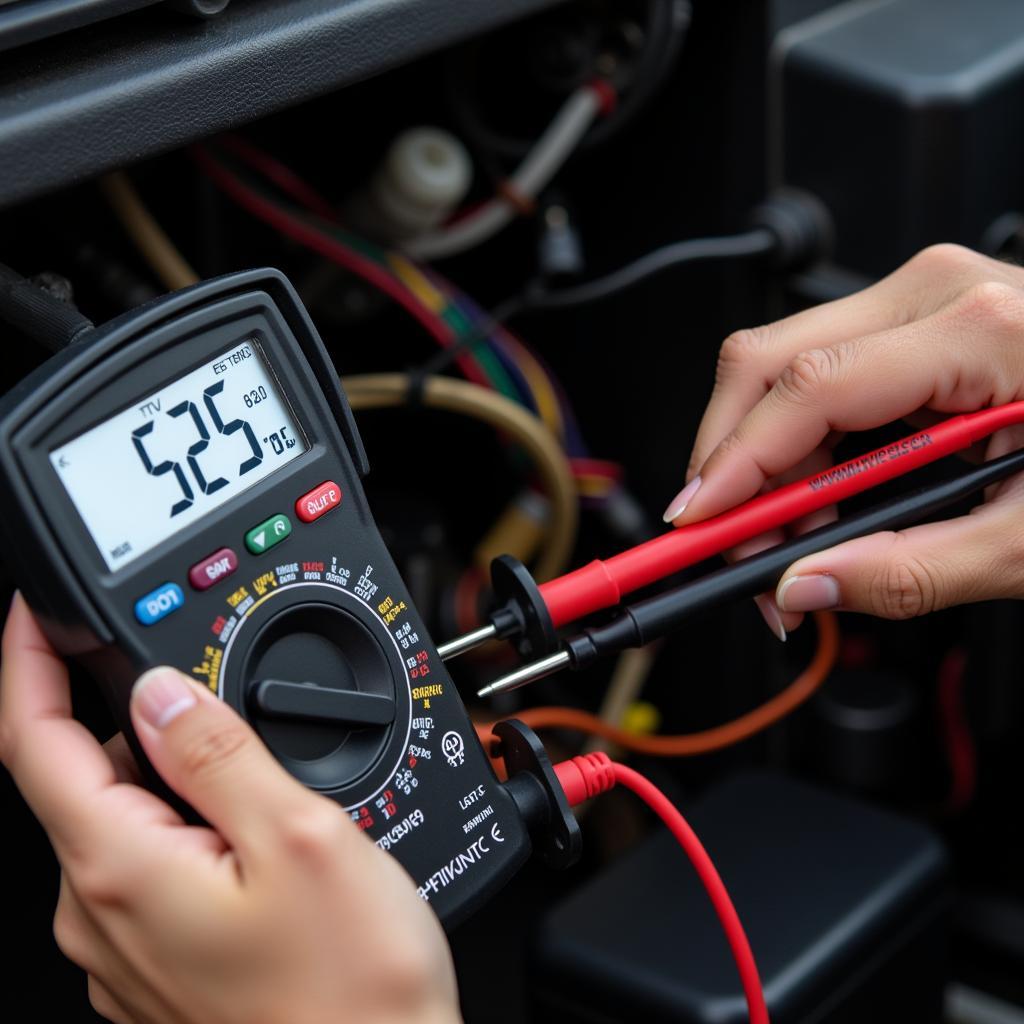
column 183, row 487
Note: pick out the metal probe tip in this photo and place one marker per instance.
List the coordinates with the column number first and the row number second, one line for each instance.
column 527, row 674
column 466, row 642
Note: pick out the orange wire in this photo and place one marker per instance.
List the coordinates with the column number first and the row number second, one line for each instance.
column 690, row 744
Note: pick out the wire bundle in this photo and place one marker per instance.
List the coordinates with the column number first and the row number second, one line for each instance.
column 486, row 352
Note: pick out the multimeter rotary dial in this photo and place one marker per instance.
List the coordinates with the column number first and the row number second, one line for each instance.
column 321, row 679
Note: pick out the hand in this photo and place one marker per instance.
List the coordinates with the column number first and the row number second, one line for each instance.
column 943, row 334
column 280, row 912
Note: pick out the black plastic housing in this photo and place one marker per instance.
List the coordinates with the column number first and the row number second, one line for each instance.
column 112, row 93
column 899, row 116
column 845, row 906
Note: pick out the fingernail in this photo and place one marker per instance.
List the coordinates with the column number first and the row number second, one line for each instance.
column 808, row 593
column 771, row 616
column 678, row 504
column 161, row 695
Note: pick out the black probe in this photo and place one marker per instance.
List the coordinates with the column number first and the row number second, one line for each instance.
column 643, row 621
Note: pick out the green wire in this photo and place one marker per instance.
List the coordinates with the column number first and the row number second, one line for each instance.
column 452, row 316
column 496, row 373
column 484, row 356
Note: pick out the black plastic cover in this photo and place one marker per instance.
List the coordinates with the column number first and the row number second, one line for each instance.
column 142, row 84
column 24, row 21
column 833, row 894
column 899, row 116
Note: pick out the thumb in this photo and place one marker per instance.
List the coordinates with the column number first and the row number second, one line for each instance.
column 907, row 573
column 211, row 758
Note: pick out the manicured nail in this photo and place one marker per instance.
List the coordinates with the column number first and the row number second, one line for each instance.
column 810, row 593
column 771, row 616
column 678, row 504
column 161, row 694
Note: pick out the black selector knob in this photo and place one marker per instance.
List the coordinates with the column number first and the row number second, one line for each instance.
column 321, row 692
column 312, row 702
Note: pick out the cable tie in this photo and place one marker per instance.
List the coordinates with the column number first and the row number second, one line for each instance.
column 606, row 94
column 524, row 205
column 415, row 394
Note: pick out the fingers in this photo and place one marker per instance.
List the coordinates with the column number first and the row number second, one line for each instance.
column 57, row 764
column 122, row 760
column 76, row 936
column 912, row 572
column 104, row 1003
column 869, row 382
column 209, row 756
column 751, row 361
column 82, row 942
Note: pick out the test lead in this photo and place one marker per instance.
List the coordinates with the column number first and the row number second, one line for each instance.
column 646, row 620
column 530, row 612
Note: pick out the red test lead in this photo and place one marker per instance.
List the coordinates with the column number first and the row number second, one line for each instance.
column 527, row 609
column 592, row 774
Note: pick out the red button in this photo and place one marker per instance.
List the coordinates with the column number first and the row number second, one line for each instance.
column 319, row 501
column 211, row 570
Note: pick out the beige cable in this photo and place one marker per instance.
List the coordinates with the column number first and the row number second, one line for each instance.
column 150, row 239
column 388, row 390
column 629, row 676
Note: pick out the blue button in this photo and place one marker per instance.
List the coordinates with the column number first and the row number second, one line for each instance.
column 159, row 603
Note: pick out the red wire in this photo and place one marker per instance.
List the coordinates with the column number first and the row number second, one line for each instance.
column 467, row 595
column 596, row 467
column 280, row 174
column 295, row 229
column 719, row 895
column 959, row 742
column 602, row 584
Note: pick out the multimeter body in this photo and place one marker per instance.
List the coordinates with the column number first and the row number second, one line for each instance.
column 281, row 598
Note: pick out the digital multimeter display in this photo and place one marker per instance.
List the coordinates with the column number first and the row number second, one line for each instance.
column 179, row 453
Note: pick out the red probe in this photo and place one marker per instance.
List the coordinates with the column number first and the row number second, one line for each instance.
column 603, row 583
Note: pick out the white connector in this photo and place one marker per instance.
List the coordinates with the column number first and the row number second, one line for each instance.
column 425, row 175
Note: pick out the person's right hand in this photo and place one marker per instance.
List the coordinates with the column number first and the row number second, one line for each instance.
column 279, row 912
column 943, row 334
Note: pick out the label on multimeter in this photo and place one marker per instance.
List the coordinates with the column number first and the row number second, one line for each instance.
column 184, row 488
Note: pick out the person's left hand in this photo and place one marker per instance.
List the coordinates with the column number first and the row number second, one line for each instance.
column 280, row 912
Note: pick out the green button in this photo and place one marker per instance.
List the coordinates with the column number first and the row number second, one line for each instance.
column 270, row 532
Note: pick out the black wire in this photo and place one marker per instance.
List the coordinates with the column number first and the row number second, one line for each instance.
column 37, row 314
column 642, row 621
column 442, row 359
column 756, row 242
column 536, row 298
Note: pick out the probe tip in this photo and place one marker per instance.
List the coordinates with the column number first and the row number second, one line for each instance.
column 466, row 642
column 527, row 674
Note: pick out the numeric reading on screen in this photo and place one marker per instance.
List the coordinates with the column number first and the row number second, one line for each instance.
column 178, row 454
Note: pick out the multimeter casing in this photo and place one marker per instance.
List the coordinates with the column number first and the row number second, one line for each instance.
column 324, row 606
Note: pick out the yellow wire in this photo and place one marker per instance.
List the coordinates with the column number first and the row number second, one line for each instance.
column 385, row 390
column 417, row 283
column 594, row 486
column 548, row 407
column 149, row 237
